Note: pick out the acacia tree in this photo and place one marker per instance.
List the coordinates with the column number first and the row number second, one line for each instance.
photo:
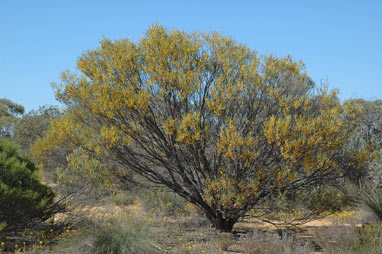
column 205, row 116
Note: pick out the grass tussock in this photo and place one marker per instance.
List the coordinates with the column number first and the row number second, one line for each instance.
column 124, row 237
column 113, row 235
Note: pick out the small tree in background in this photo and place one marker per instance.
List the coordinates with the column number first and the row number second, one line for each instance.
column 365, row 188
column 33, row 125
column 84, row 178
column 207, row 117
column 367, row 133
column 24, row 201
column 87, row 179
column 9, row 114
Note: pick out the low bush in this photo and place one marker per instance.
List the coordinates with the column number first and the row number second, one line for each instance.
column 131, row 235
column 350, row 239
column 162, row 200
column 270, row 243
column 369, row 236
column 302, row 206
column 366, row 194
column 325, row 199
column 371, row 197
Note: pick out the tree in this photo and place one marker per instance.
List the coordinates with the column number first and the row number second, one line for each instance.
column 9, row 113
column 207, row 117
column 368, row 132
column 87, row 179
column 78, row 175
column 33, row 125
column 23, row 199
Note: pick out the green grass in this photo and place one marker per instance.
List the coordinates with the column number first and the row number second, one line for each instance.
column 124, row 237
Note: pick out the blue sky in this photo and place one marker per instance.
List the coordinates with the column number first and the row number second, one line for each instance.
column 340, row 41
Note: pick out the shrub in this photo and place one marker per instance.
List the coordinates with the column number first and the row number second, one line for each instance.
column 370, row 196
column 83, row 176
column 163, row 201
column 367, row 194
column 325, row 199
column 302, row 206
column 368, row 235
column 268, row 243
column 124, row 237
column 350, row 239
column 23, row 199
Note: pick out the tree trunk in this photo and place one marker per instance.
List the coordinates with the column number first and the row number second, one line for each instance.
column 222, row 224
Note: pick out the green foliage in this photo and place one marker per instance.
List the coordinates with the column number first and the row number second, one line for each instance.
column 369, row 237
column 9, row 113
column 296, row 208
column 350, row 238
column 374, row 171
column 33, row 126
column 370, row 195
column 367, row 134
column 325, row 199
column 367, row 194
column 83, row 174
column 87, row 180
column 23, row 199
column 123, row 198
column 129, row 236
column 9, row 108
column 162, row 200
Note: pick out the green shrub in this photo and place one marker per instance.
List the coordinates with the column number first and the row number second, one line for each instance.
column 131, row 235
column 325, row 199
column 371, row 197
column 367, row 194
column 23, row 199
column 303, row 206
column 122, row 198
column 83, row 176
column 162, row 200
column 368, row 235
column 350, row 239
column 88, row 180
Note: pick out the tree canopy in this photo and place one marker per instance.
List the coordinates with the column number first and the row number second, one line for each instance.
column 211, row 119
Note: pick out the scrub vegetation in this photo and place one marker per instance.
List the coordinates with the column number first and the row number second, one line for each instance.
column 190, row 143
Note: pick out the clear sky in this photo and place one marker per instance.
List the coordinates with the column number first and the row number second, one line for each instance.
column 339, row 40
